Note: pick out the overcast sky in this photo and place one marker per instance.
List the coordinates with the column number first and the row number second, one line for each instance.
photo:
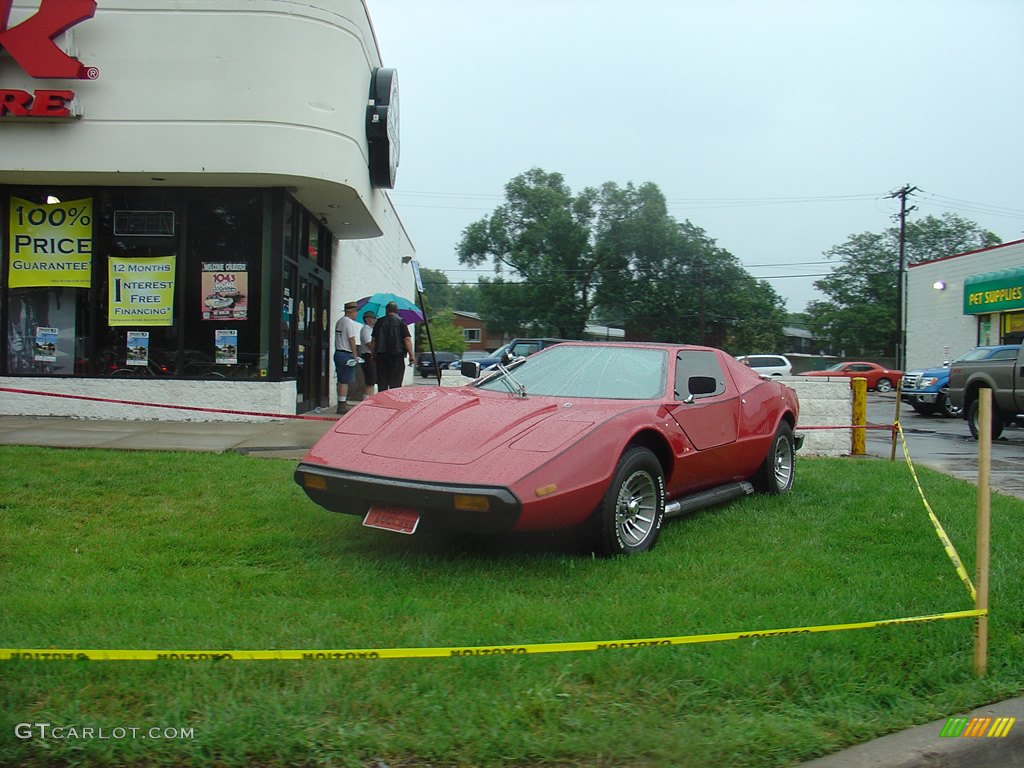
column 778, row 127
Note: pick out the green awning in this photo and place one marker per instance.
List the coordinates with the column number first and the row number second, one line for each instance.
column 1000, row 291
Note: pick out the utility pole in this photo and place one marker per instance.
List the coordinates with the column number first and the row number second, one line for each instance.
column 901, row 332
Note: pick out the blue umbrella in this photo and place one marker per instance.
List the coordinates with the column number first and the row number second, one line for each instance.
column 407, row 310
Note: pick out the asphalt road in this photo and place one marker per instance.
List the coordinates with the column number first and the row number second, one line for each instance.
column 946, row 445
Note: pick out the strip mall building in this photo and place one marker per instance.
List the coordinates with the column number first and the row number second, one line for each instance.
column 963, row 301
column 190, row 190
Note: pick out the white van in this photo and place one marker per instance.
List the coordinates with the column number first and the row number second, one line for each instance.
column 768, row 365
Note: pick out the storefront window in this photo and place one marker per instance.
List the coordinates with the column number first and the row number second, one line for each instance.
column 221, row 309
column 159, row 282
column 45, row 328
column 1013, row 328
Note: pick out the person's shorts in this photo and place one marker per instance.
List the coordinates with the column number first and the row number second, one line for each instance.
column 369, row 371
column 346, row 372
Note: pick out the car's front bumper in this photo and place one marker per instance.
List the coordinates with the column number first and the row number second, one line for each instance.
column 469, row 508
column 919, row 397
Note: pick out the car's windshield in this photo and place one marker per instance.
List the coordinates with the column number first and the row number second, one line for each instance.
column 620, row 373
column 836, row 367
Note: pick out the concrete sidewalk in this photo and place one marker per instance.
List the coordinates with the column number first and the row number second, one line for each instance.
column 271, row 438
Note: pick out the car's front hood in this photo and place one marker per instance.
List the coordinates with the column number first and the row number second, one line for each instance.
column 457, row 427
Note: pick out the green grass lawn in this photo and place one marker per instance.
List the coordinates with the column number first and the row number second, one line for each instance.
column 101, row 549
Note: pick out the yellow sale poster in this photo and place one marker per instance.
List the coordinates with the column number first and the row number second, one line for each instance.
column 50, row 244
column 141, row 291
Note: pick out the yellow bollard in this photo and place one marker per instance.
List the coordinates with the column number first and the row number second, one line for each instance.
column 860, row 417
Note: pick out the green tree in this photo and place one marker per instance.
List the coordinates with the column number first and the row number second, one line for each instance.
column 446, row 336
column 859, row 317
column 437, row 291
column 540, row 236
column 613, row 252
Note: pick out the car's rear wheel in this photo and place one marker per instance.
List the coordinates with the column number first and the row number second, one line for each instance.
column 630, row 515
column 972, row 420
column 884, row 385
column 777, row 471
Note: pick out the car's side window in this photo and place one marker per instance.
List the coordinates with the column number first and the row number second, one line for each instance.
column 698, row 374
column 1005, row 354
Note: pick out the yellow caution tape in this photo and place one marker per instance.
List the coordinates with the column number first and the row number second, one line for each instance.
column 946, row 543
column 347, row 654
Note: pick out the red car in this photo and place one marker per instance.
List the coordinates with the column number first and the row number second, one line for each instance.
column 879, row 378
column 612, row 437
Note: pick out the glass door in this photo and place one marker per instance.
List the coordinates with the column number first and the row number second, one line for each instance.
column 313, row 347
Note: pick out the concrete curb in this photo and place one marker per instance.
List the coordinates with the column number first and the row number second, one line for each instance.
column 922, row 747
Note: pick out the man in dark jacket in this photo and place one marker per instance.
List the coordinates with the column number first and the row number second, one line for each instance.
column 390, row 343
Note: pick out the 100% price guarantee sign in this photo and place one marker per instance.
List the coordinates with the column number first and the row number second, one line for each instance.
column 50, row 244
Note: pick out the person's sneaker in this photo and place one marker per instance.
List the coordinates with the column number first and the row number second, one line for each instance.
column 342, row 408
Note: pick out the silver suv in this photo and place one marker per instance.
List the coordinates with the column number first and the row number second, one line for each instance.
column 768, row 365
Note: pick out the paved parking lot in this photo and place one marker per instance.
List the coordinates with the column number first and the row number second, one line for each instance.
column 946, row 445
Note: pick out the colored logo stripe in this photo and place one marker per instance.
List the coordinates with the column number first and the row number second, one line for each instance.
column 978, row 726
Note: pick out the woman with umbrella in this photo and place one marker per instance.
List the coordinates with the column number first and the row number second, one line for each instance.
column 390, row 343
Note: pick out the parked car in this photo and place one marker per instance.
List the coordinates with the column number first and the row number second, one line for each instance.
column 967, row 377
column 425, row 362
column 515, row 348
column 879, row 378
column 473, row 354
column 927, row 391
column 609, row 438
column 526, row 347
column 768, row 365
column 492, row 358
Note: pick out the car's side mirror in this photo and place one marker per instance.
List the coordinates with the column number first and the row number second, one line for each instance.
column 470, row 369
column 506, row 358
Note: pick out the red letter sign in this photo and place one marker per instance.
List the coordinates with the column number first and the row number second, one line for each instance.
column 31, row 42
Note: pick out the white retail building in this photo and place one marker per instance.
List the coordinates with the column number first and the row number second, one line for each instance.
column 190, row 190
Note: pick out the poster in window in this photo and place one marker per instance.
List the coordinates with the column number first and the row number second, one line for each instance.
column 140, row 291
column 50, row 244
column 225, row 347
column 45, row 348
column 138, row 348
column 225, row 286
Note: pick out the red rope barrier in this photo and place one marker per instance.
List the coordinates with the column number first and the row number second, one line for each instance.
column 295, row 416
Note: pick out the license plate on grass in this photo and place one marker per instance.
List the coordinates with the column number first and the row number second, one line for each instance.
column 397, row 519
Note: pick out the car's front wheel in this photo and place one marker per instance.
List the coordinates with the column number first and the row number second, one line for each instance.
column 630, row 514
column 777, row 471
column 946, row 407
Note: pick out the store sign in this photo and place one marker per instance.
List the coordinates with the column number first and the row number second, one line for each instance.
column 50, row 244
column 31, row 43
column 382, row 132
column 1001, row 291
column 140, row 291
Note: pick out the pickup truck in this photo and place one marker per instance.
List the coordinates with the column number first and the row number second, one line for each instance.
column 927, row 391
column 1002, row 372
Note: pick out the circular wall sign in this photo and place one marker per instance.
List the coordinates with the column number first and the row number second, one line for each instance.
column 382, row 132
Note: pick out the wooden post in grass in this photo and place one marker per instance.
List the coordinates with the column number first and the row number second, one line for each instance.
column 860, row 416
column 896, row 417
column 984, row 508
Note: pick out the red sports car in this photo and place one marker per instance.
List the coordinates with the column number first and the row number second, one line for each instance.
column 612, row 437
column 879, row 378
